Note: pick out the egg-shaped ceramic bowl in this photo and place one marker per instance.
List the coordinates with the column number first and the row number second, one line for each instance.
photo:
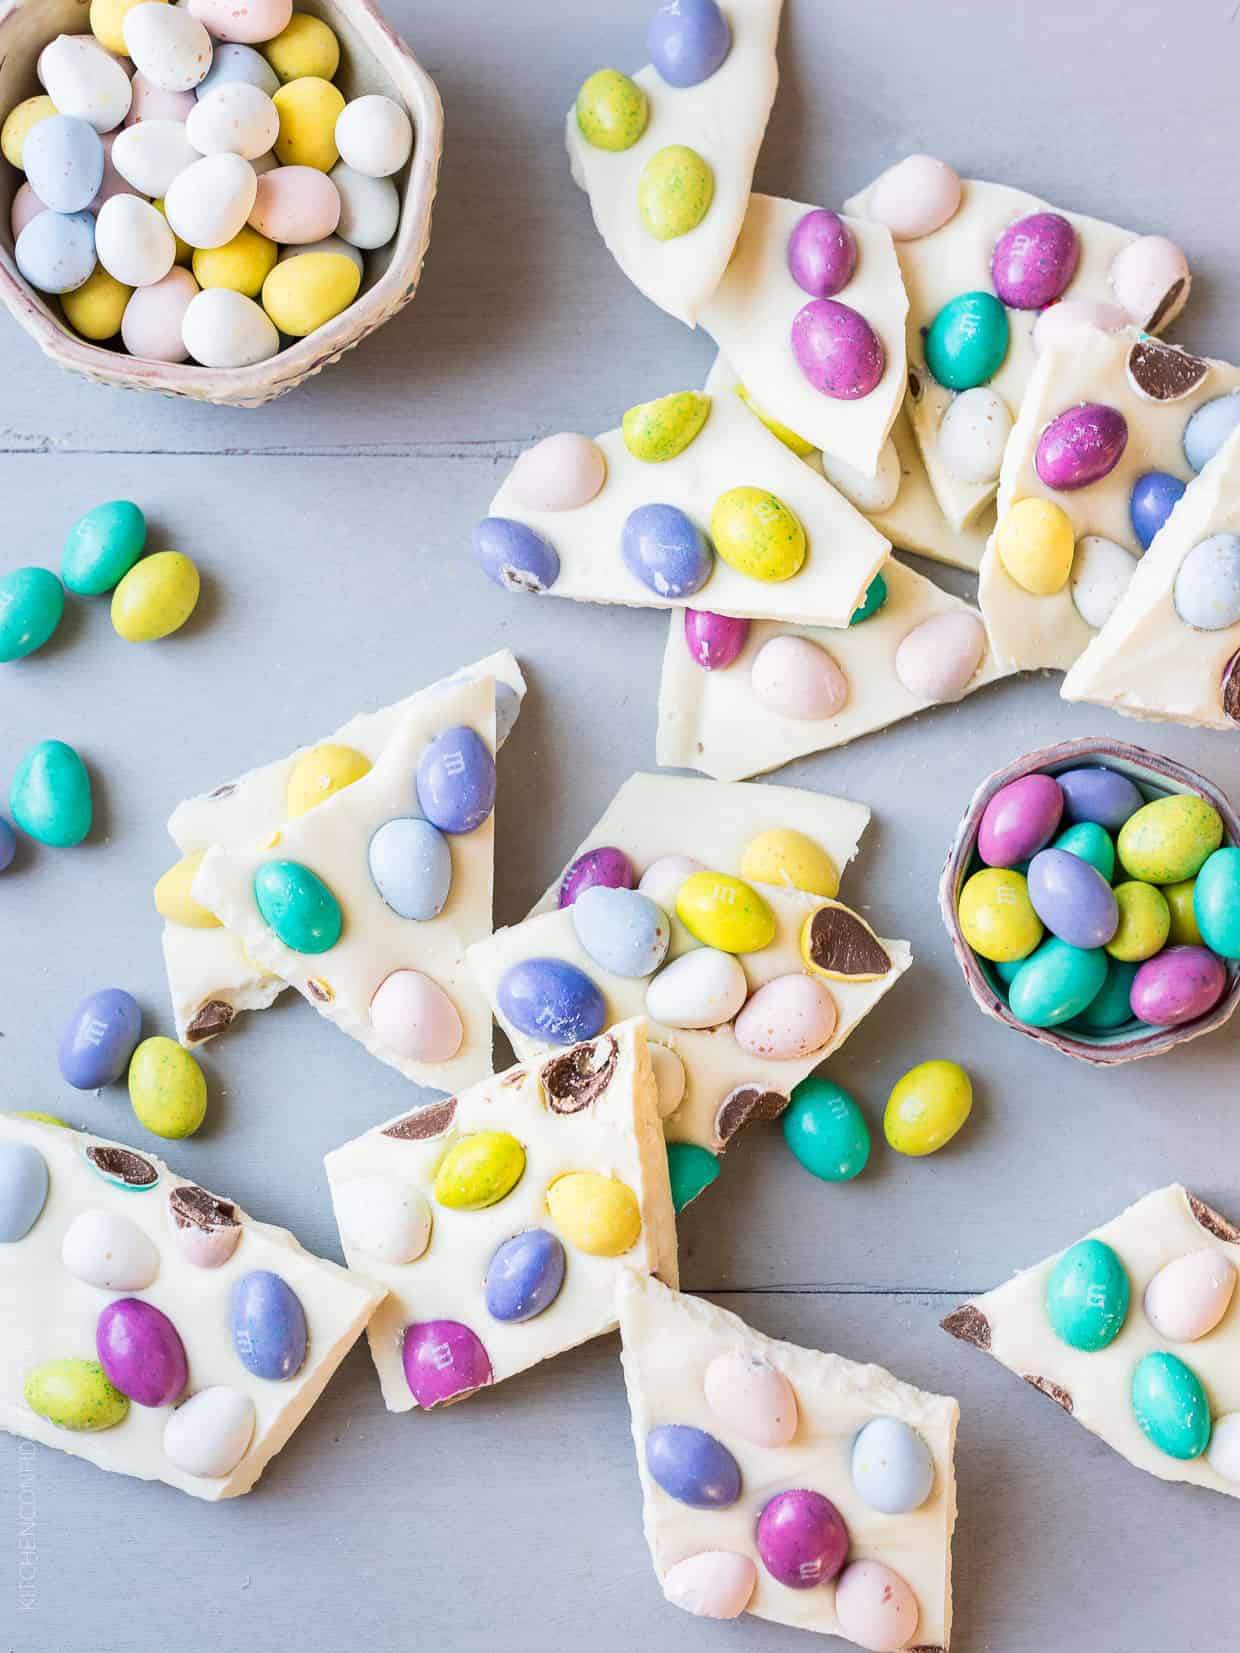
column 1155, row 777
column 372, row 59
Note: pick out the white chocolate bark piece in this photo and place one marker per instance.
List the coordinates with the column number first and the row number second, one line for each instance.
column 1094, row 1387
column 723, row 119
column 591, row 1109
column 210, row 978
column 1029, row 631
column 51, row 1314
column 1148, row 662
column 843, row 550
column 670, row 1341
column 715, row 722
column 333, row 841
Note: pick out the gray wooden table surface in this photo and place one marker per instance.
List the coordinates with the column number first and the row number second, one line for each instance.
column 332, row 531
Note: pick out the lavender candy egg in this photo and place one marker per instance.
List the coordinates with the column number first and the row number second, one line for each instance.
column 99, row 1038
column 1177, row 985
column 666, row 550
column 141, row 1352
column 822, row 253
column 1019, row 820
column 837, row 350
column 801, row 1538
column 692, row 1467
column 715, row 641
column 1072, row 899
column 688, row 40
column 1034, row 261
column 1081, row 446
column 604, row 865
column 514, row 556
column 456, row 780
column 443, row 1361
column 524, row 1276
column 549, row 999
column 268, row 1326
column 1095, row 793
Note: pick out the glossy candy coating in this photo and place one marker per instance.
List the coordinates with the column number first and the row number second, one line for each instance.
column 210, row 1433
column 1171, row 1405
column 1144, row 922
column 822, row 253
column 155, row 598
column 611, row 110
column 603, row 865
column 892, row 1467
column 674, row 192
column 298, row 906
column 596, row 1213
column 1036, row 544
column 443, row 1361
column 871, row 603
column 1073, row 900
column 752, row 1396
column 1189, row 1296
column 1019, row 820
column 1087, row 1296
column 997, row 918
column 665, row 549
column 795, row 677
column 456, row 781
column 1207, row 586
column 1154, row 496
column 268, row 1326
column 1034, row 261
column 1056, row 983
column 725, row 913
column 837, row 350
column 688, row 40
column 549, row 999
column 415, row 1019
column 524, row 1276
column 657, row 431
column 166, row 1088
column 141, row 1352
column 691, row 1170
column 622, row 930
column 757, row 534
column 1081, row 446
column 801, row 1538
column 411, row 867
column 1096, row 793
column 1209, row 427
column 1169, row 839
column 479, row 1171
column 1216, row 902
column 927, row 1106
column 32, row 603
column 50, row 798
column 74, row 1394
column 784, row 856
column 1111, row 1006
column 702, row 988
column 1092, row 843
column 1184, row 931
column 514, row 556
column 692, row 1466
column 1177, row 985
column 967, row 341
column 99, row 1038
column 715, row 641
column 23, row 1189
column 826, row 1130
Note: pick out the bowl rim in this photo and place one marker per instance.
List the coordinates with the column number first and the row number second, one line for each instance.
column 1159, row 771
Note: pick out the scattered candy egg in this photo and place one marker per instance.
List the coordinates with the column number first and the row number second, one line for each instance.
column 1216, row 903
column 1036, row 544
column 303, row 293
column 1034, row 260
column 1056, row 983
column 666, row 551
column 692, row 1466
column 1019, row 820
column 597, row 1214
column 479, row 1171
column 967, row 341
column 752, row 1397
column 549, row 999
column 1074, row 901
column 1209, row 427
column 822, row 253
column 786, row 1019
column 56, row 251
column 560, row 473
column 1092, row 843
column 714, row 1584
column 892, row 1467
column 166, row 1088
column 702, row 988
column 74, row 1394
column 826, row 1130
column 939, row 658
column 801, row 1539
column 669, row 1077
column 99, row 1039
column 132, row 240
column 1103, row 796
column 875, row 597
column 1111, row 1006
column 997, row 917
column 251, row 21
column 154, row 320
column 603, row 865
column 386, row 1219
column 149, row 102
column 926, row 1107
column 369, row 207
column 915, row 197
column 309, row 108
column 611, row 110
column 374, row 136
column 1224, row 1451
column 1087, row 1295
column 23, row 1190
column 1150, row 279
column 168, row 45
column 63, row 161
column 837, row 350
column 1169, row 839
column 18, row 124
column 622, row 930
column 174, row 898
column 870, row 494
column 152, row 153
column 524, row 1276
column 662, row 878
column 688, row 40
column 210, row 1433
column 715, row 641
column 973, row 434
column 321, row 772
column 794, row 443
column 83, row 80
column 141, row 1352
column 1171, row 1405
column 268, row 1326
column 1188, row 1296
column 1144, row 922
column 205, row 1231
column 298, row 906
column 691, row 1170
column 1081, row 446
column 96, row 308
column 514, row 556
column 32, row 603
column 155, row 598
column 797, row 678
column 1154, row 496
column 1059, row 320
column 50, row 798
column 411, row 866
column 209, row 202
column 413, row 1017
column 1207, row 586
column 757, row 534
column 1178, row 985
column 443, row 1361
column 1180, row 899
column 674, row 192
column 657, row 431
column 784, row 856
column 456, row 781
column 876, row 1607
column 1101, row 572
column 725, row 913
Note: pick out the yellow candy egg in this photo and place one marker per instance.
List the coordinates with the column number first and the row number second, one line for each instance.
column 1035, row 544
column 1144, row 922
column 166, row 1088
column 185, row 252
column 725, row 913
column 1179, row 897
column 17, row 123
column 107, row 18
column 757, row 534
column 75, row 1394
column 1169, row 840
column 612, row 110
column 96, row 308
column 674, row 192
column 174, row 899
column 927, row 1107
column 659, row 430
column 321, row 772
column 40, row 1118
column 784, row 856
column 597, row 1214
column 997, row 917
column 785, row 433
column 306, row 46
column 242, row 264
column 305, row 292
column 479, row 1170
column 155, row 598
column 308, row 108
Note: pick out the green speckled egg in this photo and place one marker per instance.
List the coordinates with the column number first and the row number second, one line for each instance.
column 32, row 602
column 875, row 597
column 757, row 534
column 50, row 797
column 1168, row 840
column 967, row 341
column 75, row 1394
column 659, row 430
column 298, row 906
column 167, row 1088
column 102, row 547
column 1087, row 1296
column 1170, row 1405
column 674, row 192
column 611, row 110
column 691, row 1170
column 1216, row 903
column 1091, row 843
column 1056, row 982
column 826, row 1130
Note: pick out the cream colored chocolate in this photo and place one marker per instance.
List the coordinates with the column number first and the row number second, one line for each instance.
column 723, row 119
column 750, row 318
column 1028, row 631
column 50, row 1314
column 713, row 720
column 333, row 841
column 843, row 551
column 669, row 1340
column 616, row 1134
column 1146, row 662
column 1011, row 1323
column 210, row 978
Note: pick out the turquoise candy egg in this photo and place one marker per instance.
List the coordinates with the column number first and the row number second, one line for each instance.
column 1056, row 983
column 691, row 1170
column 967, row 341
column 1087, row 1296
column 50, row 797
column 32, row 601
column 1092, row 843
column 875, row 597
column 298, row 906
column 826, row 1130
column 102, row 547
column 622, row 930
column 411, row 866
column 1216, row 903
column 1007, row 970
column 1170, row 1404
column 23, row 1190
column 1111, row 1007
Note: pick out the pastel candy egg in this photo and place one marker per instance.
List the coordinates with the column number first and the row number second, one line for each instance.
column 1081, row 446
column 456, row 780
column 1150, row 279
column 320, row 773
column 1111, row 1006
column 1056, row 983
column 8, row 844
column 414, row 1018
column 1101, row 572
column 386, row 1219
column 306, row 292
column 154, row 320
column 688, row 40
column 234, row 118
column 794, row 443
column 669, row 1077
column 1035, row 543
column 268, row 1326
column 141, row 1352
column 826, row 1130
column 1224, row 1452
column 168, row 44
column 26, row 207
column 597, row 1214
column 1209, row 427
column 75, row 1394
column 1092, row 843
column 250, row 21
column 870, row 494
column 605, row 865
column 822, row 253
column 1154, row 496
column 1169, row 839
column 205, row 1230
column 23, row 1189
column 132, row 240
column 657, row 431
column 691, row 1170
column 174, row 897
column 713, row 1584
column 915, row 197
column 725, row 913
column 560, row 473
column 692, row 1467
column 801, row 1539
column 702, row 988
column 997, row 917
column 973, row 434
column 926, row 1107
column 1144, row 922
column 231, row 62
column 102, row 546
column 1087, row 1295
column 797, row 678
column 1216, row 902
column 50, row 798
column 873, row 601
column 152, row 153
column 32, row 603
column 1073, row 900
column 750, row 1394
column 95, row 309
column 967, row 341
column 622, row 930
column 156, row 597
column 548, row 999
column 411, row 866
column 21, row 119
column 305, row 46
column 786, row 1019
column 1184, row 931
column 514, row 556
column 167, row 1088
column 1103, row 796
column 56, row 251
column 715, row 641
column 784, row 856
column 209, row 1434
column 666, row 551
column 208, row 203
column 674, row 192
column 443, row 1361
column 1188, row 1296
column 611, row 110
column 298, row 906
column 99, row 1038
column 663, row 878
column 892, row 1468
column 1178, row 985
column 524, row 1276
column 1170, row 1405
column 374, row 135
column 63, row 161
column 1034, row 260
column 1019, row 820
column 83, row 80
column 876, row 1607
column 837, row 350
column 149, row 102
column 1059, row 321
column 309, row 108
column 1207, row 586
column 333, row 244
column 939, row 658
column 757, row 534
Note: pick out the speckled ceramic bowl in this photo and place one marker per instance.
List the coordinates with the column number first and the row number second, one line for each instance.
column 1155, row 776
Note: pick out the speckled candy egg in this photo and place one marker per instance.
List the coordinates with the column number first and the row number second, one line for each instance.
column 1169, row 839
column 713, row 1584
column 876, row 1607
column 141, row 1352
column 209, row 202
column 1178, row 985
column 154, row 320
column 892, row 1467
column 1154, row 496
column 1056, row 983
column 50, row 798
column 411, row 866
column 1101, row 573
column 693, row 1467
column 23, row 1189
column 688, row 40
column 32, row 604
column 1207, row 586
column 666, row 550
column 1171, row 1406
column 1087, row 1295
column 1034, row 260
column 1216, row 902
column 915, row 197
column 56, row 251
column 724, row 912
column 973, row 434
column 248, row 21
column 83, row 80
column 1150, row 279
column 674, row 192
column 702, row 988
column 235, row 118
column 443, row 1361
column 657, row 431
column 622, row 930
column 1144, row 922
column 605, row 864
column 210, row 1433
column 374, row 135
column 166, row 1088
column 968, row 341
column 560, row 473
column 797, row 678
column 74, row 1394
column 1020, row 819
column 757, row 534
column 63, row 161
column 414, row 1018
column 99, row 1038
column 1209, row 427
column 715, row 641
column 837, row 350
column 822, row 253
column 1058, row 322
column 1188, row 1296
column 552, row 1000
column 157, row 596
column 524, row 1276
column 801, row 1539
column 268, row 1326
column 1073, row 900
column 1081, row 446
column 479, row 1171
column 752, row 1397
column 611, row 111
column 787, row 1019
column 168, row 44
column 514, row 556
column 152, row 103
column 939, row 658
column 456, row 781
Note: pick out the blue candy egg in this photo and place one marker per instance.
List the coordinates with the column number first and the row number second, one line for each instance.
column 1209, row 428
column 8, row 844
column 688, row 40
column 231, row 63
column 99, row 1038
column 1154, row 496
column 892, row 1467
column 666, row 551
column 693, row 1467
column 62, row 158
column 1072, row 899
column 552, row 1000
column 456, row 780
column 525, row 1275
column 1207, row 586
column 1095, row 793
column 56, row 251
column 411, row 865
column 268, row 1326
column 23, row 1189
column 514, row 556
column 622, row 930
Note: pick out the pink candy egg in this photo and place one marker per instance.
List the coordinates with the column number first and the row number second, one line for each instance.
column 876, row 1607
column 1177, row 985
column 1189, row 1296
column 152, row 103
column 788, row 1018
column 753, row 1397
column 295, row 204
column 1150, row 279
column 662, row 878
column 714, row 1584
column 413, row 1017
column 247, row 21
column 1019, row 820
column 151, row 325
column 1057, row 321
column 113, row 183
column 26, row 205
column 560, row 473
column 915, row 197
column 937, row 659
column 798, row 679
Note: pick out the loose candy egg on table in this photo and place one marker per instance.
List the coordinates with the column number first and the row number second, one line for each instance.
column 32, row 604
column 99, row 1038
column 50, row 797
column 927, row 1107
column 826, row 1130
column 167, row 1088
column 156, row 597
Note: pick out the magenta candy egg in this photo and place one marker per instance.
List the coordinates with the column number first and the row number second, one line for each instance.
column 1177, row 985
column 787, row 1019
column 916, row 197
column 937, row 660
column 1019, row 820
column 876, row 1607
column 604, row 865
column 801, row 1538
column 443, row 1361
column 1150, row 279
column 294, row 205
column 798, row 679
column 141, row 1352
column 1034, row 260
column 151, row 325
column 822, row 254
column 1059, row 320
column 714, row 640
column 560, row 473
column 413, row 1017
column 714, row 1584
column 752, row 1396
column 837, row 350
column 1081, row 446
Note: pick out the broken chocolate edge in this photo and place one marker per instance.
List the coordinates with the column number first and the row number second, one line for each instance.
column 969, row 1324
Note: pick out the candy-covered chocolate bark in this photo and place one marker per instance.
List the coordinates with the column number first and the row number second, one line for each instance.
column 151, row 1327
column 499, row 1218
column 1134, row 1332
column 667, row 157
column 785, row 1482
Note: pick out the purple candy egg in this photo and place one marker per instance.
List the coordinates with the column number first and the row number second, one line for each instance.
column 514, row 556
column 801, row 1538
column 1019, row 820
column 604, row 865
column 1081, row 446
column 688, row 40
column 456, row 780
column 822, row 254
column 141, row 1352
column 837, row 350
column 1097, row 794
column 1034, row 260
column 1072, row 899
column 692, row 1466
column 443, row 1361
column 714, row 640
column 1177, row 985
column 268, row 1326
column 99, row 1038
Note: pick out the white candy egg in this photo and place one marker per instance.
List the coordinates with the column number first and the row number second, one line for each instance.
column 868, row 493
column 110, row 1251
column 225, row 329
column 369, row 207
column 1101, row 570
column 236, row 119
column 704, row 988
column 209, row 1434
column 151, row 154
column 209, row 202
column 973, row 434
column 669, row 1077
column 83, row 80
column 386, row 1219
column 374, row 135
column 168, row 46
column 133, row 241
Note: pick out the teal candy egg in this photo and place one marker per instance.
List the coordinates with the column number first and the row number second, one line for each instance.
column 1170, row 1405
column 1090, row 842
column 1216, row 903
column 826, row 1130
column 1007, row 970
column 875, row 597
column 967, row 341
column 691, row 1170
column 1056, row 983
column 102, row 547
column 1110, row 1008
column 32, row 601
column 298, row 906
column 50, row 798
column 1087, row 1296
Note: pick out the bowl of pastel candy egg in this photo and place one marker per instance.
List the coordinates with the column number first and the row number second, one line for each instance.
column 1092, row 895
column 212, row 199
